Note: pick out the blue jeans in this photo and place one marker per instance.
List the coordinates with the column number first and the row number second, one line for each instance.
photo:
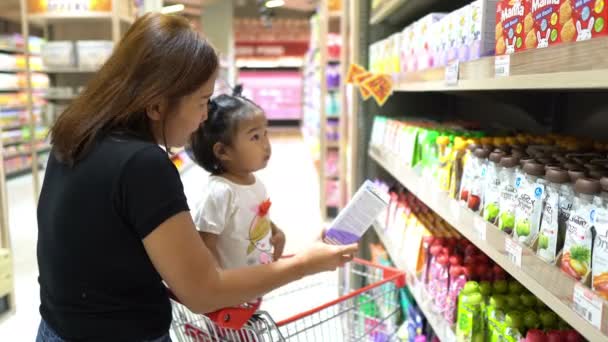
column 46, row 334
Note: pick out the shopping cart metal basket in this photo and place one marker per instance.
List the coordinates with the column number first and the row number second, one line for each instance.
column 365, row 307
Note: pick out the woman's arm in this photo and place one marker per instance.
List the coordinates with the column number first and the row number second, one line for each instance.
column 187, row 266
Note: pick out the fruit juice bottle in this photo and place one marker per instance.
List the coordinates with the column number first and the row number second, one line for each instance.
column 442, row 282
column 474, row 193
column 458, row 279
column 556, row 212
column 513, row 326
column 508, row 194
column 467, row 171
column 531, row 194
column 491, row 194
column 445, row 167
column 495, row 317
column 458, row 152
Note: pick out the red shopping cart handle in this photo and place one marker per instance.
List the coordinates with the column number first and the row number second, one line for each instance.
column 234, row 318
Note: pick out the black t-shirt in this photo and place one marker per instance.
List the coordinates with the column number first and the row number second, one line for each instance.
column 96, row 280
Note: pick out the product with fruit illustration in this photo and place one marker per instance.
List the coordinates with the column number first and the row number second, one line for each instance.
column 259, row 233
column 491, row 195
column 508, row 194
column 554, row 218
column 576, row 257
column 589, row 18
column 469, row 326
column 530, row 197
column 600, row 252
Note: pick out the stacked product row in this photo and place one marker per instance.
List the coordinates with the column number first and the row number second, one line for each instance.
column 467, row 289
column 485, row 28
column 548, row 192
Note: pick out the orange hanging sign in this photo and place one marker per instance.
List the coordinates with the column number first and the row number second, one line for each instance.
column 68, row 6
column 380, row 86
column 353, row 71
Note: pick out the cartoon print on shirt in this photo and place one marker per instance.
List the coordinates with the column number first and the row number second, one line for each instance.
column 259, row 232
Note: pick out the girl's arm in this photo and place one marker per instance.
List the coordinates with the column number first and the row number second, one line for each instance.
column 278, row 241
column 187, row 265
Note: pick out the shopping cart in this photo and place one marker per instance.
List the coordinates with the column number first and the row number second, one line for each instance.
column 365, row 307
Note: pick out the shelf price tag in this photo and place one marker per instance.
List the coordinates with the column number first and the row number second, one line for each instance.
column 480, row 228
column 514, row 251
column 502, row 65
column 455, row 209
column 588, row 305
column 451, row 73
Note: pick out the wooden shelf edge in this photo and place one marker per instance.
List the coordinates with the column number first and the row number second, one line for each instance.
column 444, row 331
column 577, row 65
column 385, row 10
column 544, row 280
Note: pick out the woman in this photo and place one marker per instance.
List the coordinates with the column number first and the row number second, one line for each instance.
column 113, row 222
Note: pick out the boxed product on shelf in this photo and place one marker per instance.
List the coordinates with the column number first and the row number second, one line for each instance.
column 552, row 21
column 513, row 24
column 589, row 18
column 423, row 40
column 93, row 53
column 8, row 61
column 481, row 20
column 58, row 54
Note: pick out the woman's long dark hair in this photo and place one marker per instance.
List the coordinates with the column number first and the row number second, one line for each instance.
column 160, row 57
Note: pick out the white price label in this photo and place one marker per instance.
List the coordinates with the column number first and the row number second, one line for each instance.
column 502, row 65
column 455, row 209
column 588, row 305
column 514, row 251
column 451, row 73
column 480, row 228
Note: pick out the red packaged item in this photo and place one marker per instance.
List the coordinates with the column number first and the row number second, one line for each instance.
column 457, row 281
column 510, row 31
column 589, row 18
column 545, row 15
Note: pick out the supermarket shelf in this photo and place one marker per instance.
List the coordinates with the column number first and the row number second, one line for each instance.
column 385, row 10
column 11, row 49
column 332, row 144
column 73, row 70
column 335, row 15
column 49, row 18
column 24, row 154
column 444, row 331
column 19, row 142
column 21, row 172
column 546, row 281
column 13, row 70
column 579, row 65
column 59, row 97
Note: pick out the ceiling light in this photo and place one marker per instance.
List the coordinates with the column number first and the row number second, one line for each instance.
column 274, row 3
column 172, row 9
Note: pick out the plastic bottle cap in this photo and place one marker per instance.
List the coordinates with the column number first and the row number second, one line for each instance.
column 534, row 169
column 572, row 166
column 481, row 153
column 598, row 174
column 604, row 183
column 509, row 162
column 588, row 186
column 576, row 174
column 545, row 160
column 594, row 167
column 496, row 156
column 559, row 176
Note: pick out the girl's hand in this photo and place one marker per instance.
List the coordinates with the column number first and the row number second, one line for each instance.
column 278, row 242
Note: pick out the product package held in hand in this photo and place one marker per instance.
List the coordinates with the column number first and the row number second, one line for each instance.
column 358, row 215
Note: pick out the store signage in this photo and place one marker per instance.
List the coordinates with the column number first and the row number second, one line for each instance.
column 270, row 49
column 54, row 6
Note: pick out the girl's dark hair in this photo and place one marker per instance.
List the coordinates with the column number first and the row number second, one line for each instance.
column 225, row 113
column 160, row 57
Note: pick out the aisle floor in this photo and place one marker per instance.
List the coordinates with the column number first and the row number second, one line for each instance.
column 291, row 181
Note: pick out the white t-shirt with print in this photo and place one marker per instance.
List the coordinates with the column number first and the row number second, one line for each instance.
column 236, row 214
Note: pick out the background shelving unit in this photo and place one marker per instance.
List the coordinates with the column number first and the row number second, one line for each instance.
column 557, row 89
column 322, row 129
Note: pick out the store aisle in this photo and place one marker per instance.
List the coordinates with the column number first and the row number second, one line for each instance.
column 291, row 181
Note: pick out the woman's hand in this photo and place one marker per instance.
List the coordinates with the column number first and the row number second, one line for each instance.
column 278, row 242
column 322, row 257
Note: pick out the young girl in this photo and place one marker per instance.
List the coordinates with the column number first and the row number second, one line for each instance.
column 233, row 215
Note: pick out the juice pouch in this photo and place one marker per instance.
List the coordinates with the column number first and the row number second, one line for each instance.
column 469, row 326
column 530, row 197
column 553, row 223
column 479, row 163
column 445, row 165
column 491, row 195
column 456, row 156
column 457, row 281
column 513, row 325
column 589, row 19
column 508, row 194
column 600, row 249
column 512, row 24
column 495, row 317
column 576, row 256
column 442, row 281
column 467, row 174
column 546, row 28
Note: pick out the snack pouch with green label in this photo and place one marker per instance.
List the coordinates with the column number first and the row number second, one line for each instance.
column 576, row 257
column 508, row 194
column 556, row 211
column 530, row 196
column 600, row 249
column 469, row 326
column 491, row 194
